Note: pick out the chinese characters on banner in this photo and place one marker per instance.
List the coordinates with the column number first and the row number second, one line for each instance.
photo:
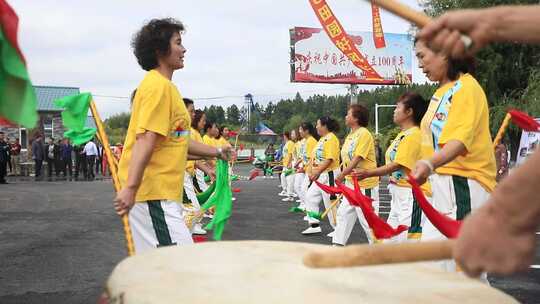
column 317, row 59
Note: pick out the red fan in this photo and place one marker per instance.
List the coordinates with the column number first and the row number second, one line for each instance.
column 233, row 133
column 254, row 173
column 524, row 121
column 447, row 226
column 328, row 189
column 236, row 190
column 381, row 229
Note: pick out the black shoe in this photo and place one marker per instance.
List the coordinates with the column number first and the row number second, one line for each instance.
column 4, row 182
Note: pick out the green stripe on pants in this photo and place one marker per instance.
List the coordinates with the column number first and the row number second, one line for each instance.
column 463, row 196
column 160, row 225
column 416, row 218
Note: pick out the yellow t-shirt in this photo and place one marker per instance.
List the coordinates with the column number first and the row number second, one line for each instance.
column 288, row 151
column 459, row 111
column 158, row 107
column 360, row 144
column 297, row 147
column 306, row 149
column 326, row 148
column 195, row 136
column 207, row 140
column 222, row 142
column 405, row 150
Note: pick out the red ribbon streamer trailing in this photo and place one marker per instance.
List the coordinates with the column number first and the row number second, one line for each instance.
column 380, row 228
column 446, row 225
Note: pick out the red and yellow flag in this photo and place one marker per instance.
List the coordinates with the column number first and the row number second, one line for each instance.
column 341, row 40
column 378, row 34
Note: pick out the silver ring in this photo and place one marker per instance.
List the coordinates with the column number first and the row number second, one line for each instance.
column 467, row 42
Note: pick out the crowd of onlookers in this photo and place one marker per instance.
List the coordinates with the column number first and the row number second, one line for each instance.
column 54, row 159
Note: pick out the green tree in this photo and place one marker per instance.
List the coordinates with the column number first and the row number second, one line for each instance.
column 233, row 115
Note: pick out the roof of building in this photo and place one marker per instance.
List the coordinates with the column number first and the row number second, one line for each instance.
column 46, row 95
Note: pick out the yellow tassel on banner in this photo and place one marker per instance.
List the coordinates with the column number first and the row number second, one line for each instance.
column 502, row 130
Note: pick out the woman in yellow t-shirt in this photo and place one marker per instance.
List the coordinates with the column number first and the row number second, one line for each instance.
column 223, row 137
column 153, row 162
column 211, row 132
column 291, row 163
column 307, row 145
column 286, row 160
column 358, row 152
column 201, row 168
column 457, row 150
column 324, row 169
column 401, row 156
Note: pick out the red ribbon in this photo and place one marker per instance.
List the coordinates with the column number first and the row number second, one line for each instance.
column 446, row 225
column 380, row 228
column 524, row 121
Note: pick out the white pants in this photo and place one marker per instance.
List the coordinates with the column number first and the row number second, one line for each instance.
column 314, row 196
column 200, row 179
column 347, row 215
column 189, row 192
column 455, row 197
column 283, row 180
column 290, row 184
column 404, row 211
column 158, row 223
column 298, row 181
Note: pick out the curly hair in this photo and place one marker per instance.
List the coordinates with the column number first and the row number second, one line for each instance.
column 153, row 40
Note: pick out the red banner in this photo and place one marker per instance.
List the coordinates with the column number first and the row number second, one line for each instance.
column 378, row 34
column 341, row 40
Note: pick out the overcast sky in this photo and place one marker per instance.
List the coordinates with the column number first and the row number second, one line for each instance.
column 234, row 47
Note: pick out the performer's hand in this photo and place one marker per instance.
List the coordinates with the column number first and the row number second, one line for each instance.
column 360, row 173
column 314, row 175
column 421, row 172
column 340, row 178
column 212, row 174
column 487, row 243
column 443, row 34
column 226, row 153
column 124, row 201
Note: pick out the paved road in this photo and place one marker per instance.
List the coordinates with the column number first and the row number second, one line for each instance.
column 60, row 240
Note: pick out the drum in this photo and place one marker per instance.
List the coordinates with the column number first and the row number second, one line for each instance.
column 272, row 272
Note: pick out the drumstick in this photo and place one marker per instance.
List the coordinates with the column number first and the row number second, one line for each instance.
column 332, row 206
column 418, row 18
column 363, row 255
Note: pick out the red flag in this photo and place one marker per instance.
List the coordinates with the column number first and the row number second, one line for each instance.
column 254, row 173
column 10, row 23
column 6, row 123
column 233, row 133
column 381, row 229
column 328, row 189
column 524, row 121
column 447, row 226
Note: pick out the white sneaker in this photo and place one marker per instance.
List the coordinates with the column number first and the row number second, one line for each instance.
column 331, row 234
column 197, row 229
column 282, row 193
column 298, row 201
column 287, row 199
column 233, row 199
column 306, row 218
column 312, row 230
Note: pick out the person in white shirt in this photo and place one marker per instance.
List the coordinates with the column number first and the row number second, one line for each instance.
column 91, row 152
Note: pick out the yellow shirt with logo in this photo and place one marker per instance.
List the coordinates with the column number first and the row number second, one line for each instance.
column 288, row 151
column 297, row 151
column 158, row 107
column 326, row 148
column 459, row 111
column 405, row 150
column 195, row 136
column 306, row 150
column 360, row 143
